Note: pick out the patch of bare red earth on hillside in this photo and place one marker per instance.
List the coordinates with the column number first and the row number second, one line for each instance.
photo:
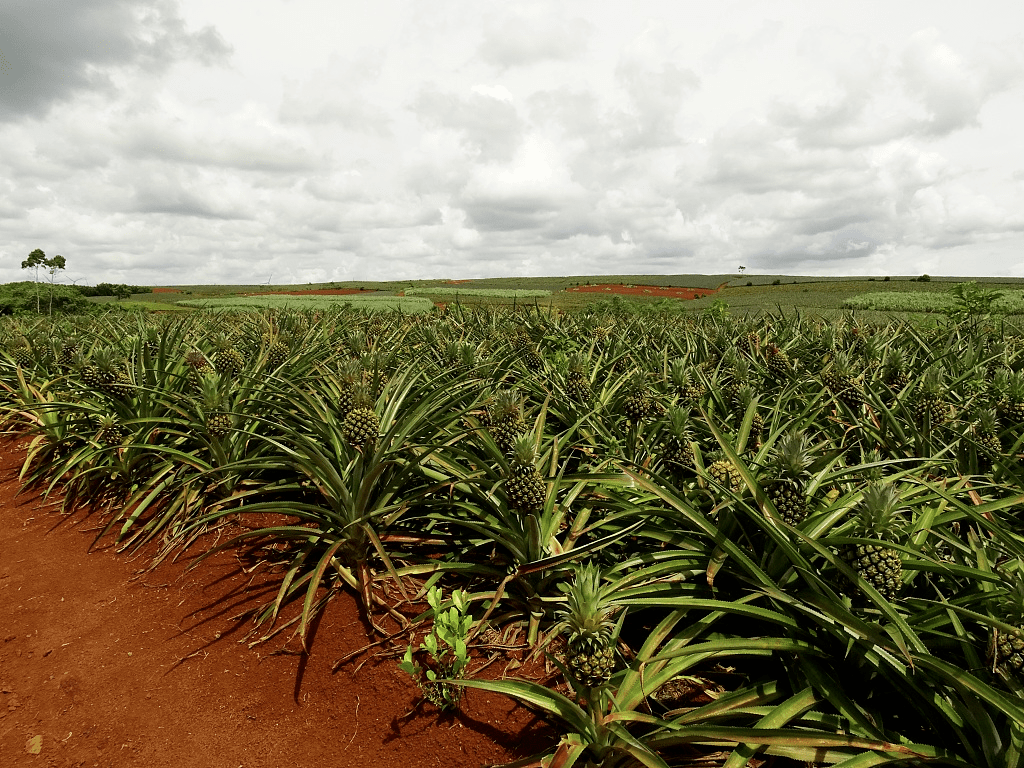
column 105, row 664
column 645, row 290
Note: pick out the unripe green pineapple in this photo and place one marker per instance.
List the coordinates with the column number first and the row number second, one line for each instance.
column 787, row 490
column 842, row 381
column 217, row 420
column 1006, row 650
column 111, row 431
column 929, row 405
column 577, row 385
column 102, row 374
column 229, row 361
column 505, row 416
column 278, row 351
column 1011, row 402
column 986, row 434
column 198, row 366
column 349, row 377
column 778, row 362
column 361, row 426
column 685, row 382
column 894, row 371
column 639, row 403
column 524, row 486
column 878, row 518
column 587, row 620
column 676, row 445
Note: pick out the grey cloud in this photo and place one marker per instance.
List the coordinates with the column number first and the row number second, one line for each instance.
column 180, row 194
column 531, row 35
column 55, row 49
column 335, row 95
column 486, row 124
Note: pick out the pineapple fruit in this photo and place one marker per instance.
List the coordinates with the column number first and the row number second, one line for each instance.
column 676, row 450
column 217, row 419
column 1006, row 650
column 577, row 385
column 587, row 620
column 361, row 426
column 505, row 419
column 790, row 462
column 842, row 380
column 877, row 518
column 524, row 486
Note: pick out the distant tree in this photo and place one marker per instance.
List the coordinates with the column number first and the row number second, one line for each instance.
column 38, row 259
column 35, row 260
column 742, row 270
column 122, row 291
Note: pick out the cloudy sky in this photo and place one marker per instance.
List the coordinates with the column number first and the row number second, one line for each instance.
column 244, row 141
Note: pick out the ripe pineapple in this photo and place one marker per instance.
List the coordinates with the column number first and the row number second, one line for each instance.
column 877, row 518
column 524, row 486
column 361, row 426
column 842, row 381
column 587, row 619
column 676, row 448
column 790, row 462
column 724, row 472
column 506, row 423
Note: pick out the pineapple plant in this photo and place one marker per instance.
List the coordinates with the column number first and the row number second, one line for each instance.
column 877, row 518
column 587, row 620
column 349, row 377
column 724, row 472
column 778, row 362
column 929, row 405
column 894, row 370
column 524, row 486
column 1010, row 387
column 842, row 380
column 676, row 450
column 745, row 396
column 790, row 462
column 229, row 361
column 638, row 404
column 577, row 385
column 505, row 419
column 986, row 433
column 1006, row 649
column 361, row 426
column 687, row 386
column 216, row 418
column 21, row 351
column 102, row 374
column 198, row 366
column 278, row 351
column 111, row 431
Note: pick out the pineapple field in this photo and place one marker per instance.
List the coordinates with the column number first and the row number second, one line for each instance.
column 767, row 540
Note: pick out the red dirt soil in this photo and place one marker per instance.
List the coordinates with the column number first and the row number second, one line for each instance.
column 105, row 663
column 645, row 290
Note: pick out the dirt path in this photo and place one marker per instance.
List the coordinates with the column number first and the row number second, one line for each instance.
column 98, row 669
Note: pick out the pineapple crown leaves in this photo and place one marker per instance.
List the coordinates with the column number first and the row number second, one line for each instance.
column 879, row 512
column 524, row 452
column 212, row 392
column 506, row 404
column 588, row 612
column 792, row 456
column 679, row 422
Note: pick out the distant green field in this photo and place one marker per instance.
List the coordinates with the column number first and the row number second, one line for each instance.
column 1010, row 303
column 372, row 302
column 496, row 293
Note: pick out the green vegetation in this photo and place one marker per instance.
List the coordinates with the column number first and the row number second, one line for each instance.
column 740, row 535
column 23, row 298
column 1007, row 302
column 497, row 293
column 370, row 302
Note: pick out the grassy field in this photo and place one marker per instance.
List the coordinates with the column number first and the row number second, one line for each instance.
column 743, row 294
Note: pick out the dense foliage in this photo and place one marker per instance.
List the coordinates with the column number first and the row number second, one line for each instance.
column 24, row 297
column 737, row 538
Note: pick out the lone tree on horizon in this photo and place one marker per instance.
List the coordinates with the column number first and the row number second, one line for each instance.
column 38, row 259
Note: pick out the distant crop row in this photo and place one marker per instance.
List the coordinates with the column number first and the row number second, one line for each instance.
column 372, row 303
column 1010, row 302
column 497, row 293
